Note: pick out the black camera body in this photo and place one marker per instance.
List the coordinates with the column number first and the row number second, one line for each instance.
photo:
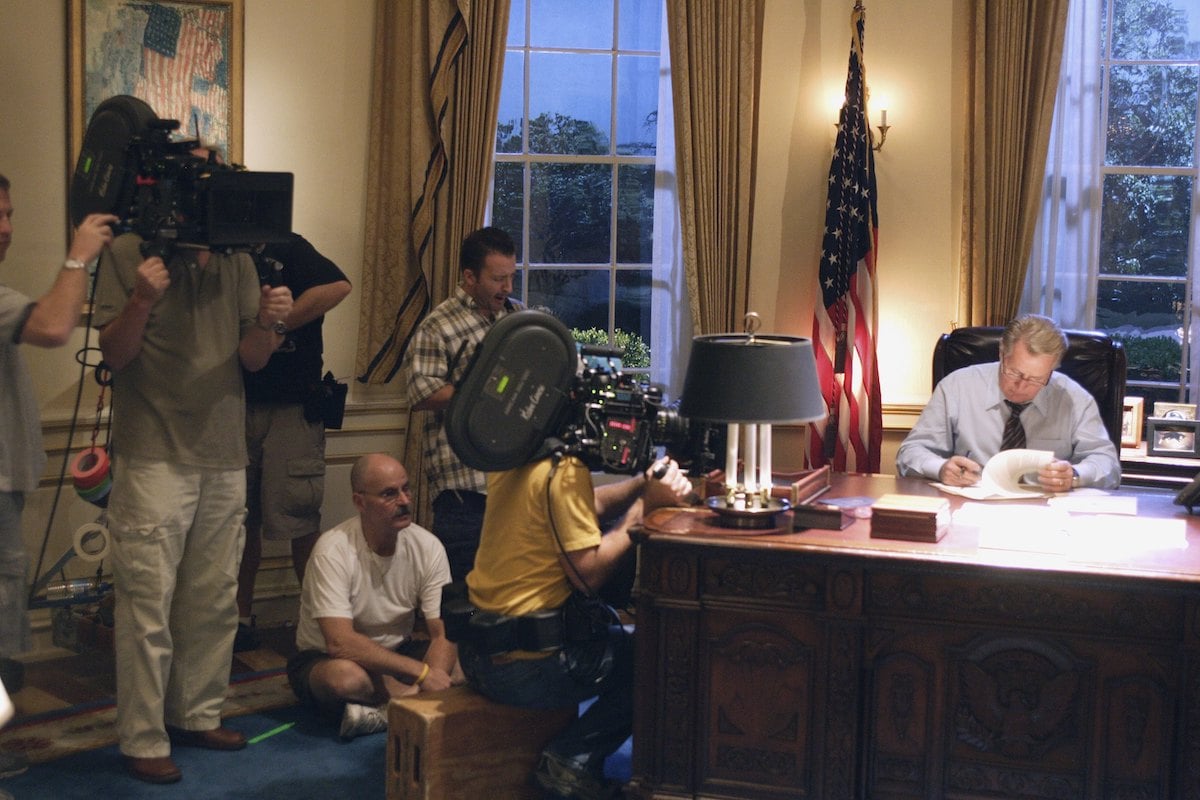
column 616, row 422
column 131, row 166
column 531, row 392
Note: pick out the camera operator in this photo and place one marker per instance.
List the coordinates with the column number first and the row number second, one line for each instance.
column 176, row 335
column 45, row 322
column 542, row 550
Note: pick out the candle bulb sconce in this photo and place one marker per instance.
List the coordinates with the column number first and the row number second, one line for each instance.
column 883, row 128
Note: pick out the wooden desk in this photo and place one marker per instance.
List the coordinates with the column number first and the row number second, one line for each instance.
column 826, row 664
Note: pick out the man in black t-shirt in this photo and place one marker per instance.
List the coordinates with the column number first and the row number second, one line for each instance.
column 285, row 479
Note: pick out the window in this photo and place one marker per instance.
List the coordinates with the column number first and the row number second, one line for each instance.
column 1117, row 245
column 575, row 164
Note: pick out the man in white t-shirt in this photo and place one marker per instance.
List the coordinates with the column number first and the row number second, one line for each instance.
column 367, row 579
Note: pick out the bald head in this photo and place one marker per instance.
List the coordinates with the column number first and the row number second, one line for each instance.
column 381, row 495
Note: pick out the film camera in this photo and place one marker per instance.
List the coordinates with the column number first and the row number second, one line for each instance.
column 131, row 165
column 525, row 396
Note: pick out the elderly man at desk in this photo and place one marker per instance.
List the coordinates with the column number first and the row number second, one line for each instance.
column 1019, row 401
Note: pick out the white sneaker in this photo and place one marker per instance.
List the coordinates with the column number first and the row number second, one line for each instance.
column 358, row 720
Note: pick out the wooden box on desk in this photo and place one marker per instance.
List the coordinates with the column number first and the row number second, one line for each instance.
column 458, row 744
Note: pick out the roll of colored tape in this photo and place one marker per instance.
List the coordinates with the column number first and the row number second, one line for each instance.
column 91, row 542
column 90, row 468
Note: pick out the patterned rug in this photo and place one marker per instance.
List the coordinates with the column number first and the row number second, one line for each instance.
column 54, row 734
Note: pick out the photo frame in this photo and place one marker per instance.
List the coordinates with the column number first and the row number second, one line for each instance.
column 183, row 57
column 1173, row 438
column 1131, row 421
column 1174, row 410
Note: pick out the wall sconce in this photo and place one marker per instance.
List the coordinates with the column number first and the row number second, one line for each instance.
column 883, row 128
column 749, row 381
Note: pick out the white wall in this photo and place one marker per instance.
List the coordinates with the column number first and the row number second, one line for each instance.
column 911, row 66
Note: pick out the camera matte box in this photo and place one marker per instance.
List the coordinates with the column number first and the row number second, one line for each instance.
column 457, row 744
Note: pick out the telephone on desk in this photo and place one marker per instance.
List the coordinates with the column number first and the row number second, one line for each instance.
column 1189, row 495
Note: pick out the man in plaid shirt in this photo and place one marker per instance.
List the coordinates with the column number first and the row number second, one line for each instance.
column 436, row 359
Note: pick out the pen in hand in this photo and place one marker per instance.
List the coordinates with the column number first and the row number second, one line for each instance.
column 964, row 470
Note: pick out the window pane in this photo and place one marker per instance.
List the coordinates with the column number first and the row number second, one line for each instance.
column 635, row 214
column 570, row 103
column 577, row 297
column 632, row 319
column 1154, row 30
column 637, row 104
column 512, row 111
column 1144, row 226
column 572, row 23
column 1148, row 317
column 516, row 23
column 1152, row 115
column 507, row 206
column 639, row 25
column 569, row 208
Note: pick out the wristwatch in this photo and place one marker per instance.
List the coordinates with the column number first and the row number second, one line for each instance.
column 1074, row 478
column 73, row 263
column 278, row 326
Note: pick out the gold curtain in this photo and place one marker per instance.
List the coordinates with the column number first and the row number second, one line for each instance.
column 715, row 54
column 435, row 95
column 1016, row 50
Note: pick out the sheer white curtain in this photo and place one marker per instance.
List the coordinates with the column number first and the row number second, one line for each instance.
column 1060, row 282
column 670, row 313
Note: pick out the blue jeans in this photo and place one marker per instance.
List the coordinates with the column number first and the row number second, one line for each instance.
column 546, row 683
column 457, row 523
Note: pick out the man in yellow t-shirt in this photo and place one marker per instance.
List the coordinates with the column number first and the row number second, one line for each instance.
column 541, row 549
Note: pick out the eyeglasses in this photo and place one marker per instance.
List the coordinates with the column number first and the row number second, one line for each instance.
column 390, row 495
column 1021, row 377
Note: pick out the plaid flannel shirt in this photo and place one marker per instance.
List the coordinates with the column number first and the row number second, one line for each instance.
column 438, row 355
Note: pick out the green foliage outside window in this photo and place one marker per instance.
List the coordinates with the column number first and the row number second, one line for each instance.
column 1154, row 358
column 636, row 351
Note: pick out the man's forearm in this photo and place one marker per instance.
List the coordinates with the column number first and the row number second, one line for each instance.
column 373, row 657
column 121, row 339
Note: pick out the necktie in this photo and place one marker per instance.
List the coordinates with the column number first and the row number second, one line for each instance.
column 1014, row 431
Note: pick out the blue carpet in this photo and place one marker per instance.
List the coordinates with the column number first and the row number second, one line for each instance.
column 307, row 761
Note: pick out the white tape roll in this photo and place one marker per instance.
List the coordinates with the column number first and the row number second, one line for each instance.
column 91, row 541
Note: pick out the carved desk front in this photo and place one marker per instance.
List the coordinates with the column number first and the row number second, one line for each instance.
column 826, row 664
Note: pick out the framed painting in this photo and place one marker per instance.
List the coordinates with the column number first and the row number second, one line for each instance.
column 184, row 59
column 1131, row 421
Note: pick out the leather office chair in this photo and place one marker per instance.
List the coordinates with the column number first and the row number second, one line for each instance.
column 1095, row 360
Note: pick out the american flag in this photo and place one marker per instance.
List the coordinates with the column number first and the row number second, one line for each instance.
column 183, row 68
column 845, row 322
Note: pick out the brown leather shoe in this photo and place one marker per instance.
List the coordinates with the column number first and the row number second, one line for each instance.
column 153, row 770
column 215, row 739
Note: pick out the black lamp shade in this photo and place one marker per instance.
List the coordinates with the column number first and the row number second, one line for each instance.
column 736, row 378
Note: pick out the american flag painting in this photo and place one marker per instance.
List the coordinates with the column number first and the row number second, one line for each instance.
column 175, row 56
column 845, row 320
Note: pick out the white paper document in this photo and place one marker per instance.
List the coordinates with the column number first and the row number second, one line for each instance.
column 1001, row 479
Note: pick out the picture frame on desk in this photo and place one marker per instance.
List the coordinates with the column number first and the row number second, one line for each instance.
column 1175, row 438
column 1174, row 410
column 1131, row 421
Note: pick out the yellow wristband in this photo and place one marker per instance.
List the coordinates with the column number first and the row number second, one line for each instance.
column 421, row 677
